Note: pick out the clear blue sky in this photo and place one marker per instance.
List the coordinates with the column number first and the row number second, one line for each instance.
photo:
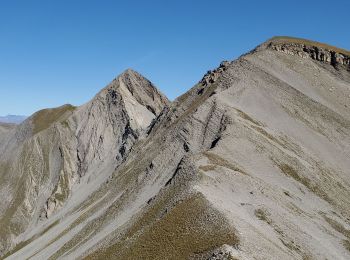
column 57, row 52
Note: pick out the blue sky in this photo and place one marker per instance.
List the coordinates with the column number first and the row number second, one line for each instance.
column 57, row 52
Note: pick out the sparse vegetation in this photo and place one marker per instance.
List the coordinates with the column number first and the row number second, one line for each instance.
column 44, row 118
column 208, row 167
column 291, row 245
column 65, row 123
column 263, row 215
column 247, row 117
column 26, row 242
column 269, row 136
column 346, row 244
column 290, row 171
column 191, row 227
column 337, row 226
column 217, row 160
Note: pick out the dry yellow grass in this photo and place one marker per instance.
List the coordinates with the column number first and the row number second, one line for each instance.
column 337, row 226
column 44, row 118
column 311, row 186
column 247, row 117
column 206, row 168
column 191, row 228
column 217, row 160
column 263, row 215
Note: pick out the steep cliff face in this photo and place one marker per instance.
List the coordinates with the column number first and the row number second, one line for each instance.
column 109, row 125
column 251, row 163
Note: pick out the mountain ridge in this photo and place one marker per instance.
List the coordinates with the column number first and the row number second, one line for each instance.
column 234, row 168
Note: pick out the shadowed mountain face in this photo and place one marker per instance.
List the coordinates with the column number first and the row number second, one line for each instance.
column 251, row 163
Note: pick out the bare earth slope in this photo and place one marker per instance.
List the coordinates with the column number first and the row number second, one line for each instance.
column 251, row 163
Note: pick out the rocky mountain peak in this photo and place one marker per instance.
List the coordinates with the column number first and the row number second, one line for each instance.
column 131, row 85
column 143, row 90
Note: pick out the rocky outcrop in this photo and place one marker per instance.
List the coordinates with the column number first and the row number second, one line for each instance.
column 319, row 53
column 212, row 75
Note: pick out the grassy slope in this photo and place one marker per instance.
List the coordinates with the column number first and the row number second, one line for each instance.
column 191, row 228
column 44, row 118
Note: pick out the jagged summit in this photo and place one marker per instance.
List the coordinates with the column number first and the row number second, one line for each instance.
column 129, row 73
column 143, row 90
column 141, row 99
column 132, row 85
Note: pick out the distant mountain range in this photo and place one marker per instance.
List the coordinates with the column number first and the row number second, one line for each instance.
column 14, row 119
